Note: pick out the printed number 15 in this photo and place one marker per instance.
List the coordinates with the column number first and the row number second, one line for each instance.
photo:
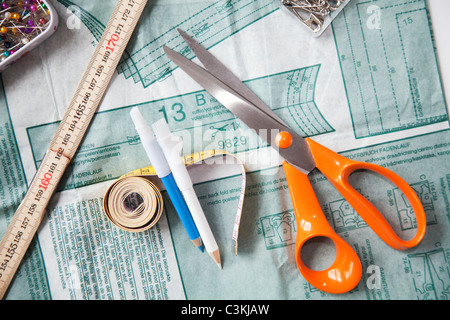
column 180, row 115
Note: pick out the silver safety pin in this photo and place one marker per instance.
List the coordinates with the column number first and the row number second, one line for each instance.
column 311, row 8
column 312, row 12
column 312, row 20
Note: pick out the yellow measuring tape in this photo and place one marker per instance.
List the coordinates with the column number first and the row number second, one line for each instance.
column 68, row 137
column 134, row 203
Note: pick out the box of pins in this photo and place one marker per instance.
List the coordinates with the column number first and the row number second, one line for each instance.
column 24, row 25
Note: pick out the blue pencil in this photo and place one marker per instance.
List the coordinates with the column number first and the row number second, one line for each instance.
column 182, row 209
column 162, row 169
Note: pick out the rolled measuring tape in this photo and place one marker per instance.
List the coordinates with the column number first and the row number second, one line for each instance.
column 134, row 202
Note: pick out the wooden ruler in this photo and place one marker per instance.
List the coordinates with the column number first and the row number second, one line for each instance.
column 71, row 131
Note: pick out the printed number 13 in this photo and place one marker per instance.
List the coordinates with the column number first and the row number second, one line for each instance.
column 180, row 115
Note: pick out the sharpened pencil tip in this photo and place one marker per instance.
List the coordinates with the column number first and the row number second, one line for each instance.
column 215, row 255
column 198, row 243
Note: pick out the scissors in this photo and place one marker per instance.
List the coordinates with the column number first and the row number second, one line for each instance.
column 301, row 156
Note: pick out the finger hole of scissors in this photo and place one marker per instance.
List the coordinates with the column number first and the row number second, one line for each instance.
column 318, row 253
column 389, row 200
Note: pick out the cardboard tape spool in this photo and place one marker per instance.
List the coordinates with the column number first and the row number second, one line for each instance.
column 134, row 203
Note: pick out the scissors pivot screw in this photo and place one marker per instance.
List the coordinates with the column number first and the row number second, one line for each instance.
column 284, row 140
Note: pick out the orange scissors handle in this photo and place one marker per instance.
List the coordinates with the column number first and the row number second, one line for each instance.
column 345, row 272
column 338, row 169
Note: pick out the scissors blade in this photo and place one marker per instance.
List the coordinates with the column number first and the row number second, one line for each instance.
column 215, row 67
column 298, row 154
